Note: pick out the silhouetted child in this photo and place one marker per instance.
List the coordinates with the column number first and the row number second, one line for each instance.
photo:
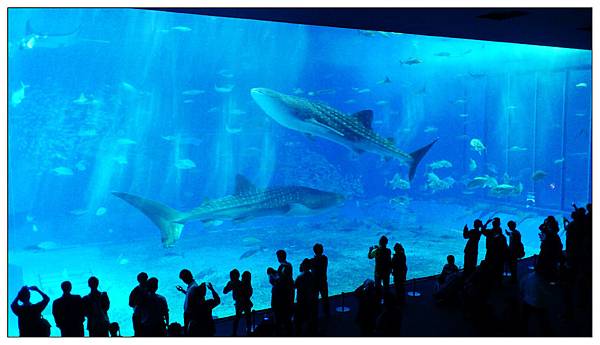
column 95, row 306
column 241, row 298
column 134, row 301
column 68, row 312
column 31, row 323
column 383, row 265
column 114, row 330
column 318, row 266
column 515, row 249
column 175, row 330
column 399, row 270
column 449, row 269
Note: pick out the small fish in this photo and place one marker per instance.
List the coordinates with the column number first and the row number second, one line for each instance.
column 184, row 164
column 100, row 211
column 251, row 252
column 123, row 261
column 297, row 91
column 580, row 114
column 78, row 212
column 460, row 101
column 80, row 165
column 34, row 228
column 18, row 96
column 350, row 101
column 384, row 81
column 581, row 85
column 226, row 73
column 517, row 149
column 232, row 130
column 181, row 28
column 325, row 92
column 442, row 54
column 188, row 101
column 477, row 146
column 477, row 75
column 237, row 112
column 411, row 61
column 472, row 165
column 128, row 87
column 552, row 186
column 430, row 129
column 559, row 161
column 89, row 132
column 511, row 107
column 63, row 171
column 29, row 218
column 82, row 100
column 364, row 90
column 382, row 102
column 226, row 88
column 311, row 93
column 122, row 160
column 126, row 141
column 192, row 92
column 440, row 164
column 539, row 175
column 463, row 115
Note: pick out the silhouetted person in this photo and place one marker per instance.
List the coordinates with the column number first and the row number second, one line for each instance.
column 496, row 250
column 383, row 265
column 154, row 311
column 134, row 301
column 318, row 266
column 472, row 247
column 68, row 312
column 114, row 330
column 550, row 250
column 31, row 323
column 191, row 300
column 245, row 300
column 368, row 307
column 399, row 270
column 389, row 322
column 205, row 322
column 279, row 303
column 448, row 269
column 175, row 330
column 286, row 271
column 241, row 297
column 95, row 308
column 515, row 249
column 307, row 307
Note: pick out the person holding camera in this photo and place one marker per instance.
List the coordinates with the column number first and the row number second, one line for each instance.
column 383, row 265
column 31, row 322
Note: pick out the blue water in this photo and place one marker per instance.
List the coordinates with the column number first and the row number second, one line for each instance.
column 158, row 105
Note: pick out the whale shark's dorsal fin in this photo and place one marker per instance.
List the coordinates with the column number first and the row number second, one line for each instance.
column 365, row 117
column 243, row 185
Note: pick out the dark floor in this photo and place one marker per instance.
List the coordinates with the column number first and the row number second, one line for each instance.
column 422, row 317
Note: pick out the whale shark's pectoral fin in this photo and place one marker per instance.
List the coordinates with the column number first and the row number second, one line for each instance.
column 243, row 185
column 329, row 128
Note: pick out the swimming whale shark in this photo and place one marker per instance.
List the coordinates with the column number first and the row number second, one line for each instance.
column 37, row 39
column 246, row 203
column 353, row 131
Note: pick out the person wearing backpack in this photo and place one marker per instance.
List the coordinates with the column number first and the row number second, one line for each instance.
column 95, row 306
column 515, row 249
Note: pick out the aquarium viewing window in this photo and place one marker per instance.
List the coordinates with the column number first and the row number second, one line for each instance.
column 228, row 139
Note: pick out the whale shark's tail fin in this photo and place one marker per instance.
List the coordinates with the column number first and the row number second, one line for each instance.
column 416, row 158
column 161, row 215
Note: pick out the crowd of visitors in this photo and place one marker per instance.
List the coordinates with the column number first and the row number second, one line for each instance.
column 295, row 302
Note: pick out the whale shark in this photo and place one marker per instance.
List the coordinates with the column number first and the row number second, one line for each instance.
column 246, row 203
column 318, row 119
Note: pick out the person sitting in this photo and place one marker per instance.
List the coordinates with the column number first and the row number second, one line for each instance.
column 368, row 307
column 68, row 312
column 31, row 322
column 114, row 330
column 449, row 268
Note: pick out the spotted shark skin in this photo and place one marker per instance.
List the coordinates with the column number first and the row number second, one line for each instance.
column 319, row 119
column 246, row 203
